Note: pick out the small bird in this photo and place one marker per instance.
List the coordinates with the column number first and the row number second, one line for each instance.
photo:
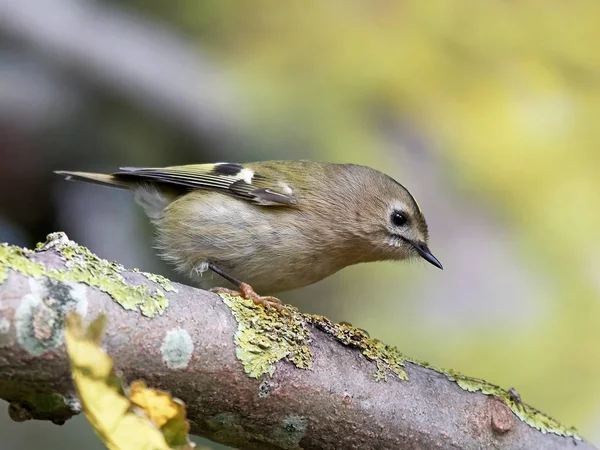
column 273, row 226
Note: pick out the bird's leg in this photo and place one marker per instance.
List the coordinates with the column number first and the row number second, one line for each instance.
column 245, row 290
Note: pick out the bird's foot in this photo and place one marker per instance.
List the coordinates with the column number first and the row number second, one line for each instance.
column 248, row 293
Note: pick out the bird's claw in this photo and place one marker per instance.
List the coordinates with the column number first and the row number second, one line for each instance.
column 248, row 293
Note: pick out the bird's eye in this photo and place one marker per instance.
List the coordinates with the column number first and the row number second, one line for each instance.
column 399, row 219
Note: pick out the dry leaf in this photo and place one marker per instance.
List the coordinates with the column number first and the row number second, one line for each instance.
column 147, row 420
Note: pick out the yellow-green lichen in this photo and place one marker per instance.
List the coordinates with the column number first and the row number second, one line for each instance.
column 386, row 357
column 526, row 413
column 16, row 258
column 265, row 337
column 82, row 266
column 163, row 282
column 389, row 358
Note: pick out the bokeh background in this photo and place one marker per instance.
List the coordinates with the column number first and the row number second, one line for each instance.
column 486, row 110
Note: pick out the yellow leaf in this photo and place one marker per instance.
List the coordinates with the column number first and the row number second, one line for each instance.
column 164, row 411
column 148, row 420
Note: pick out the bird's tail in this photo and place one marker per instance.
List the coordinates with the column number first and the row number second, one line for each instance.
column 149, row 196
column 97, row 178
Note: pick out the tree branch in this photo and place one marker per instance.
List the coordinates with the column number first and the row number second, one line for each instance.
column 250, row 378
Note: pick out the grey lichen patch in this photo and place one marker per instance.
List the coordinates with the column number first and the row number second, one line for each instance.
column 265, row 388
column 177, row 349
column 265, row 337
column 526, row 413
column 82, row 266
column 4, row 325
column 387, row 358
column 291, row 432
column 226, row 427
column 5, row 337
column 53, row 240
column 40, row 315
column 73, row 403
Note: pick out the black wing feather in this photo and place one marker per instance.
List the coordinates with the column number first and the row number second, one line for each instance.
column 224, row 177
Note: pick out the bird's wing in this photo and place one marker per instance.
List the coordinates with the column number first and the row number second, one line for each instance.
column 228, row 178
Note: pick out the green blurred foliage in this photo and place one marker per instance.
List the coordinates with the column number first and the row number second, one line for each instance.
column 508, row 93
column 505, row 94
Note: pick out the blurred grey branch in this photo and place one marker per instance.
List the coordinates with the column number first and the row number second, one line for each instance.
column 137, row 58
column 337, row 404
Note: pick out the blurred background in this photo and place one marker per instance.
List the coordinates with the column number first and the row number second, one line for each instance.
column 486, row 110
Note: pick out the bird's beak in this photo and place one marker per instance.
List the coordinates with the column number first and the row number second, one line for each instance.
column 426, row 254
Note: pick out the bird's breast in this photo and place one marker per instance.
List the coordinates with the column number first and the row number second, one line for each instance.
column 273, row 249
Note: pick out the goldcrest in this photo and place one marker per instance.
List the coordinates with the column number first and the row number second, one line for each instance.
column 273, row 226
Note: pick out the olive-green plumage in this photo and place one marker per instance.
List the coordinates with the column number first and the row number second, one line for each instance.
column 276, row 225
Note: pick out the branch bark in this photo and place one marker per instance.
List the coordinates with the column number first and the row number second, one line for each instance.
column 200, row 348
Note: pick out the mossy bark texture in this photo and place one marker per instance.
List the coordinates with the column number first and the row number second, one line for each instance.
column 251, row 378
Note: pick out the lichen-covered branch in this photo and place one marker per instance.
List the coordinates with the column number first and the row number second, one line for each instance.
column 251, row 378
